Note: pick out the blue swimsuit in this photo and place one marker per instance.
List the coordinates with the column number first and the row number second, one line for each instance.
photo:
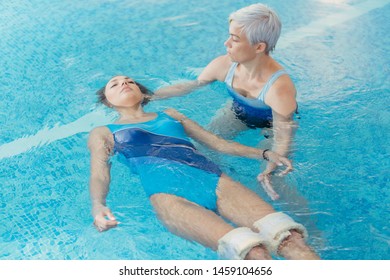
column 253, row 112
column 166, row 161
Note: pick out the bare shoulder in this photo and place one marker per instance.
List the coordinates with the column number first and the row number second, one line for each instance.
column 217, row 69
column 99, row 132
column 282, row 96
column 284, row 85
column 222, row 63
column 99, row 136
column 223, row 60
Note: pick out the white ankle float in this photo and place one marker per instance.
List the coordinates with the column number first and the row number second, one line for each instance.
column 236, row 244
column 275, row 227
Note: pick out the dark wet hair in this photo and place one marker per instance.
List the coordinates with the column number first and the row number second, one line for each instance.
column 101, row 95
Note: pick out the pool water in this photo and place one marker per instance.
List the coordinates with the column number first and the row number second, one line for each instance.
column 56, row 54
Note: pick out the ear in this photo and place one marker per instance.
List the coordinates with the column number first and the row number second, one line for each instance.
column 261, row 47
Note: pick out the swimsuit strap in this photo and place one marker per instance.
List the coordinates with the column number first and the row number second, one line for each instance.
column 269, row 83
column 230, row 74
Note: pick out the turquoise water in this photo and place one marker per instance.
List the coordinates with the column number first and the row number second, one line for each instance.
column 55, row 54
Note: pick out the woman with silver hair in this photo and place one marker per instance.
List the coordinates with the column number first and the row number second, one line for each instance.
column 263, row 94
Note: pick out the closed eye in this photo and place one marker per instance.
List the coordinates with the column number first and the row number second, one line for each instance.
column 113, row 85
column 129, row 81
column 234, row 38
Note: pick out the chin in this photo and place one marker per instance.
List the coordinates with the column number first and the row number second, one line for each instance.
column 231, row 58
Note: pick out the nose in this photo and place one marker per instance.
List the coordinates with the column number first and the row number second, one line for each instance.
column 125, row 82
column 227, row 42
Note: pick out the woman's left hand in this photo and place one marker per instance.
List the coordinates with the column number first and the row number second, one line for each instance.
column 103, row 218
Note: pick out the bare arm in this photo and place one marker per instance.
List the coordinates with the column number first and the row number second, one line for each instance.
column 283, row 128
column 281, row 98
column 100, row 148
column 283, row 103
column 211, row 140
column 215, row 70
column 178, row 89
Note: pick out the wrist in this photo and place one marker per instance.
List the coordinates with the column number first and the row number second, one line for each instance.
column 264, row 154
column 97, row 205
column 181, row 120
column 96, row 209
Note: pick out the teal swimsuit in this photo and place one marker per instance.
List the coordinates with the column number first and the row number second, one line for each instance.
column 253, row 112
column 166, row 161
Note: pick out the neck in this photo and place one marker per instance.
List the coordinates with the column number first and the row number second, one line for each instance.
column 257, row 67
column 131, row 113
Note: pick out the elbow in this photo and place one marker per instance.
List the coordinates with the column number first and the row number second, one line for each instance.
column 99, row 180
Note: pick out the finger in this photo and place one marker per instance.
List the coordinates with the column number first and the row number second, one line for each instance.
column 288, row 169
column 108, row 225
column 270, row 168
column 110, row 216
column 284, row 172
column 101, row 221
column 288, row 165
column 279, row 162
column 260, row 177
column 99, row 227
column 267, row 186
column 287, row 162
column 111, row 223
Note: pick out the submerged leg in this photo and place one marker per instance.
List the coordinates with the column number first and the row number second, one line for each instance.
column 189, row 220
column 196, row 223
column 225, row 123
column 239, row 204
column 245, row 208
column 295, row 247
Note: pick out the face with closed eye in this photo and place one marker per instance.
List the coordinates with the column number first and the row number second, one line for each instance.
column 122, row 91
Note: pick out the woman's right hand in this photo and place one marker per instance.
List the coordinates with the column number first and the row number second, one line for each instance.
column 278, row 160
column 264, row 178
column 103, row 218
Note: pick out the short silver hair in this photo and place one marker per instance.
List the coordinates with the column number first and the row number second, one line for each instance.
column 260, row 24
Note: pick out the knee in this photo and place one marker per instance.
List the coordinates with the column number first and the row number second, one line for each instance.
column 295, row 239
column 295, row 247
column 258, row 253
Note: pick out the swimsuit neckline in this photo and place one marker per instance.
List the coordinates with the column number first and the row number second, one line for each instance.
column 154, row 119
column 261, row 96
column 243, row 96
